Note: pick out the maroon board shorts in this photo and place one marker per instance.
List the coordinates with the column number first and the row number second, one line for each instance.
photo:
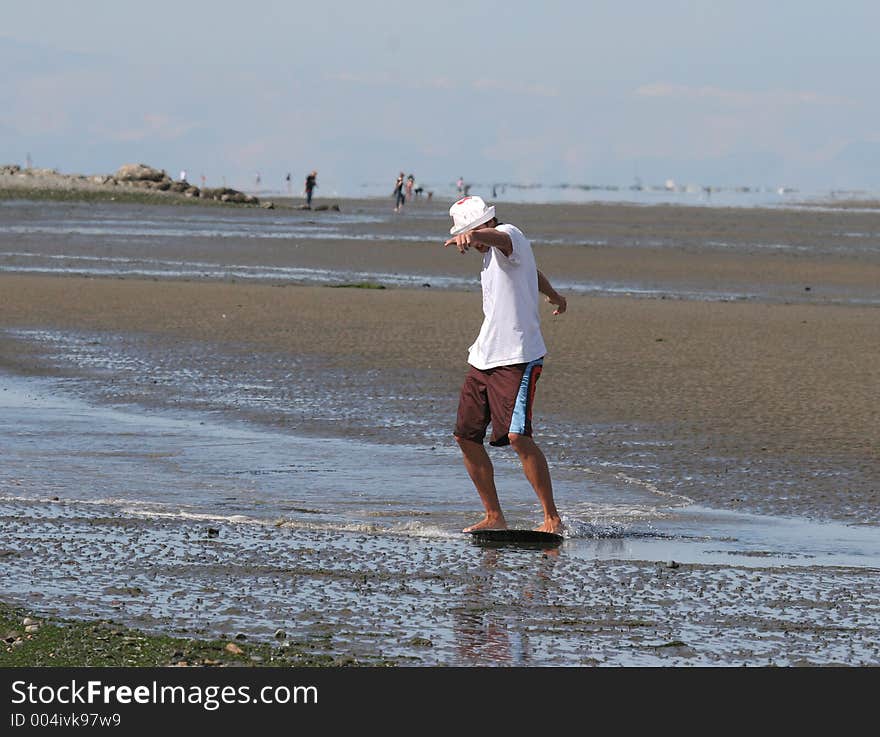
column 503, row 396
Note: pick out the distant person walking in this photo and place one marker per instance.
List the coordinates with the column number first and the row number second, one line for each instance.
column 410, row 183
column 460, row 185
column 311, row 183
column 289, row 183
column 398, row 194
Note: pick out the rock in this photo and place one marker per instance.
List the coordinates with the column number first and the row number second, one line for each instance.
column 225, row 194
column 268, row 205
column 140, row 173
column 10, row 169
column 213, row 532
column 231, row 647
column 27, row 621
column 241, row 636
column 420, row 642
column 672, row 564
column 32, row 628
column 280, row 634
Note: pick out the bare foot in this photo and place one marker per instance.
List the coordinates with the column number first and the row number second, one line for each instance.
column 488, row 523
column 552, row 524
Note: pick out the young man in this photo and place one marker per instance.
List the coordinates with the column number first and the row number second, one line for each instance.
column 505, row 360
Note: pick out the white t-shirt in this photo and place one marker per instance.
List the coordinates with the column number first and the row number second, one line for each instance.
column 511, row 330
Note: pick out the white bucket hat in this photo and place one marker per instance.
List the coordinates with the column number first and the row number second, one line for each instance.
column 468, row 213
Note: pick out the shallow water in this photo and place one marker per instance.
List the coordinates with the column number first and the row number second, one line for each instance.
column 160, row 465
column 188, row 522
column 291, row 246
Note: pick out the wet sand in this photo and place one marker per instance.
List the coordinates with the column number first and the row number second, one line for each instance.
column 787, row 392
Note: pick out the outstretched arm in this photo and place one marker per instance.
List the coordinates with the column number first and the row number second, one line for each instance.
column 553, row 297
column 482, row 239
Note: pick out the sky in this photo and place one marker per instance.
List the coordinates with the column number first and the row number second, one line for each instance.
column 712, row 92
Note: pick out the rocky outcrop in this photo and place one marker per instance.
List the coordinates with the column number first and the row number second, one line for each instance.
column 141, row 173
column 134, row 176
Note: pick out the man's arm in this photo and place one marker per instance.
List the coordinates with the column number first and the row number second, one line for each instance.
column 553, row 297
column 483, row 239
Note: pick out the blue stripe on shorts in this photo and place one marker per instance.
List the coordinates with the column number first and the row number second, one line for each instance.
column 522, row 409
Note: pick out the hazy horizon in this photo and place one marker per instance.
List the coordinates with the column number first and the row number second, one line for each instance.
column 720, row 94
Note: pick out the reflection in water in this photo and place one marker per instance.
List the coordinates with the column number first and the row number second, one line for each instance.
column 491, row 631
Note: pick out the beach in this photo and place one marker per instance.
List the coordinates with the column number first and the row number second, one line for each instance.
column 708, row 406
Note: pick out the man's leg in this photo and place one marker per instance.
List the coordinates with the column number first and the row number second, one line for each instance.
column 538, row 473
column 479, row 468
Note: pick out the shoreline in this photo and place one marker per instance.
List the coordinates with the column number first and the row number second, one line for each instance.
column 50, row 184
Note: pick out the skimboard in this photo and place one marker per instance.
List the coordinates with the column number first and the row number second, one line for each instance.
column 515, row 537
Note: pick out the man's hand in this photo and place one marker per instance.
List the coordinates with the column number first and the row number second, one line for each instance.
column 557, row 299
column 464, row 241
column 553, row 297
